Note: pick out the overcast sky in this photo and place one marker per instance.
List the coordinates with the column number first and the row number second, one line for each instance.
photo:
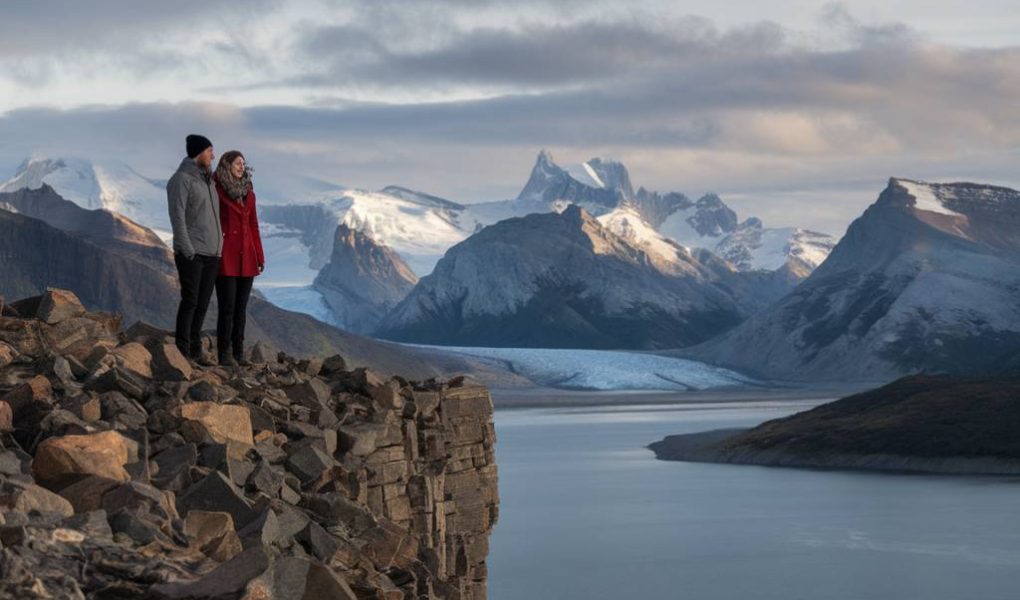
column 791, row 110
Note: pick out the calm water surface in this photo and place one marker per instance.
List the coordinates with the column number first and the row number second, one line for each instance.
column 587, row 512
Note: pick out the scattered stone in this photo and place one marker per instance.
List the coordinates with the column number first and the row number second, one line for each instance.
column 266, row 479
column 213, row 533
column 28, row 497
column 173, row 466
column 304, row 480
column 35, row 390
column 7, row 354
column 168, row 364
column 58, row 305
column 135, row 358
column 118, row 379
column 334, row 365
column 216, row 493
column 261, row 354
column 318, row 542
column 222, row 421
column 62, row 460
column 312, row 394
column 307, row 461
column 6, row 417
column 202, row 391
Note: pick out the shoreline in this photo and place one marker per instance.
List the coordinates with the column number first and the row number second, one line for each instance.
column 519, row 398
column 705, row 447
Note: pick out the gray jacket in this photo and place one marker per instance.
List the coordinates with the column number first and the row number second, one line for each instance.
column 194, row 211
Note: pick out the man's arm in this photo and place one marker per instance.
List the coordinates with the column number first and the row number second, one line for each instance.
column 177, row 198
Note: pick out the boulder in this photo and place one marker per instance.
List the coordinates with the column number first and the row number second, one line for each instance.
column 173, row 465
column 57, row 305
column 223, row 422
column 7, row 354
column 307, row 461
column 37, row 389
column 262, row 573
column 62, row 460
column 118, row 379
column 213, row 533
column 26, row 497
column 387, row 395
column 312, row 394
column 239, row 577
column 333, row 365
column 135, row 358
column 317, row 542
column 168, row 364
column 86, row 494
column 216, row 493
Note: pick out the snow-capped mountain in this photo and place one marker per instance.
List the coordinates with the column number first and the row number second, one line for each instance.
column 604, row 189
column 561, row 280
column 753, row 247
column 107, row 184
column 362, row 281
column 417, row 226
column 927, row 279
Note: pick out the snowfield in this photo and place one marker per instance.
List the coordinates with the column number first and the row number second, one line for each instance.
column 304, row 300
column 608, row 370
column 925, row 198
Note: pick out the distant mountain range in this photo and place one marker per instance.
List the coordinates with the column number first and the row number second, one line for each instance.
column 927, row 279
column 308, row 256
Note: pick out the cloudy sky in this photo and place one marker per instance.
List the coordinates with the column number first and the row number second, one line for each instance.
column 792, row 110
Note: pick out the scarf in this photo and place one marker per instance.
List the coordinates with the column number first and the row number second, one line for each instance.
column 236, row 188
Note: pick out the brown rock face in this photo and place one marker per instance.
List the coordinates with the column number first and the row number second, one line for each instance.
column 60, row 460
column 356, row 486
column 223, row 422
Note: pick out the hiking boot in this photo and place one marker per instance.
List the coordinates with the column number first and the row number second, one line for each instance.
column 204, row 361
column 241, row 361
column 227, row 360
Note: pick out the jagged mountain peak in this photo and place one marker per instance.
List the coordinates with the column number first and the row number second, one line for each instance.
column 559, row 279
column 362, row 280
column 956, row 199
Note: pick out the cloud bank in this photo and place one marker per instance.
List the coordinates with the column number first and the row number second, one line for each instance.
column 798, row 126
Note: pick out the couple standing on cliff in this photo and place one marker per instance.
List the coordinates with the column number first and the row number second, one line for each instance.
column 216, row 244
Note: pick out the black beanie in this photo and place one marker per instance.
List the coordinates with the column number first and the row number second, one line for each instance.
column 196, row 144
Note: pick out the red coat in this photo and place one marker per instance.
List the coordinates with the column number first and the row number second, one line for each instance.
column 242, row 245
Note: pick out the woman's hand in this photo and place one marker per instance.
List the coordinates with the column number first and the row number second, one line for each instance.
column 261, row 268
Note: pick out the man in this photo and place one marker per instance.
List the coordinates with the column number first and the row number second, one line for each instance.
column 198, row 242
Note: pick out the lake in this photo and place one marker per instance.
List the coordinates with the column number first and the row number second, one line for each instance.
column 587, row 512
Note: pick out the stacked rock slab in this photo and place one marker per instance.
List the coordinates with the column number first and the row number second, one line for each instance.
column 126, row 472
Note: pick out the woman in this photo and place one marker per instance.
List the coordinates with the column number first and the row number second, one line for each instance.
column 242, row 257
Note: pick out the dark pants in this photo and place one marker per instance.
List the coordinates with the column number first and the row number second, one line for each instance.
column 197, row 277
column 232, row 298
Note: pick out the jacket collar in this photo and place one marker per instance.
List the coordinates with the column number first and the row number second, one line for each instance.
column 190, row 167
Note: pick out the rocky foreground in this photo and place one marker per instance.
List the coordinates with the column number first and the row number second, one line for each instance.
column 127, row 472
column 930, row 424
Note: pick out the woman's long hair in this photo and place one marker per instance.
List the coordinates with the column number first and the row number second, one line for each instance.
column 236, row 188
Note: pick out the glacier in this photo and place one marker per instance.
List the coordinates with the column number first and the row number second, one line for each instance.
column 602, row 370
